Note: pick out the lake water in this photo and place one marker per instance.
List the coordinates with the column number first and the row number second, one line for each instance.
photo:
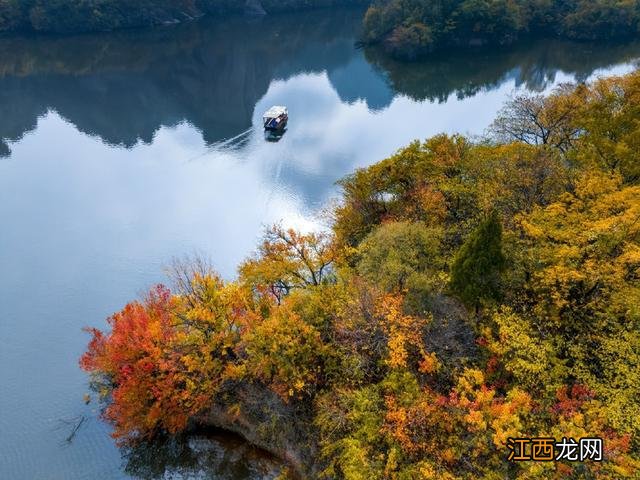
column 121, row 151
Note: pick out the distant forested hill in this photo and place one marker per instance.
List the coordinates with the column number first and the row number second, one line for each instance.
column 406, row 28
column 66, row 16
column 410, row 28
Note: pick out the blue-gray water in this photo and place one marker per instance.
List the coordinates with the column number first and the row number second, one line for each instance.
column 121, row 151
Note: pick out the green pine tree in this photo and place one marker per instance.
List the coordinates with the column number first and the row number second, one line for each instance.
column 477, row 267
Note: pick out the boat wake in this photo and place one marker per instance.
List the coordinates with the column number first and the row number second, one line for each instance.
column 231, row 144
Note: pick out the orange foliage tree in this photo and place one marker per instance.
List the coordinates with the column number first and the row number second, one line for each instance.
column 150, row 390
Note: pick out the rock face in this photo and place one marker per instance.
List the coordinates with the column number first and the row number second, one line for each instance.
column 72, row 16
column 266, row 421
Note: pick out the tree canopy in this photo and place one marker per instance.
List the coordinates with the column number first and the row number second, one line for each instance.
column 476, row 268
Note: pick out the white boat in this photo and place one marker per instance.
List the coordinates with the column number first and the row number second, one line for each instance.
column 275, row 118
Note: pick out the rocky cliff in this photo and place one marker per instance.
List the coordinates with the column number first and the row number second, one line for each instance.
column 263, row 419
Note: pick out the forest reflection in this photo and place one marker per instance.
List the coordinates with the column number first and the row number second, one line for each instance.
column 124, row 86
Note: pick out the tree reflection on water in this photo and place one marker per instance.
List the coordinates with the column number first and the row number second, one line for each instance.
column 202, row 454
column 124, row 86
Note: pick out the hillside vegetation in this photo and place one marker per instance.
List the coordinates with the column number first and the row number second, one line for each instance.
column 68, row 16
column 410, row 28
column 406, row 28
column 468, row 292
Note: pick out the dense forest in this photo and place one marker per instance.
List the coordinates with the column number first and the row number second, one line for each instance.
column 468, row 292
column 66, row 16
column 410, row 28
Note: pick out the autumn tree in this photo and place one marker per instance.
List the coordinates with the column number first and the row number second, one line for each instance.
column 286, row 353
column 402, row 255
column 288, row 260
column 166, row 356
column 421, row 182
column 539, row 119
column 608, row 116
column 516, row 177
column 152, row 389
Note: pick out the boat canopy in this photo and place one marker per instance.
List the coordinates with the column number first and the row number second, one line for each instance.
column 275, row 112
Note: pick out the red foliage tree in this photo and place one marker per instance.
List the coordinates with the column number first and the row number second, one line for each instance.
column 142, row 370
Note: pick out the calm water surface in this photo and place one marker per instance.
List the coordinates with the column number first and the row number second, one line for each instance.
column 121, row 151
